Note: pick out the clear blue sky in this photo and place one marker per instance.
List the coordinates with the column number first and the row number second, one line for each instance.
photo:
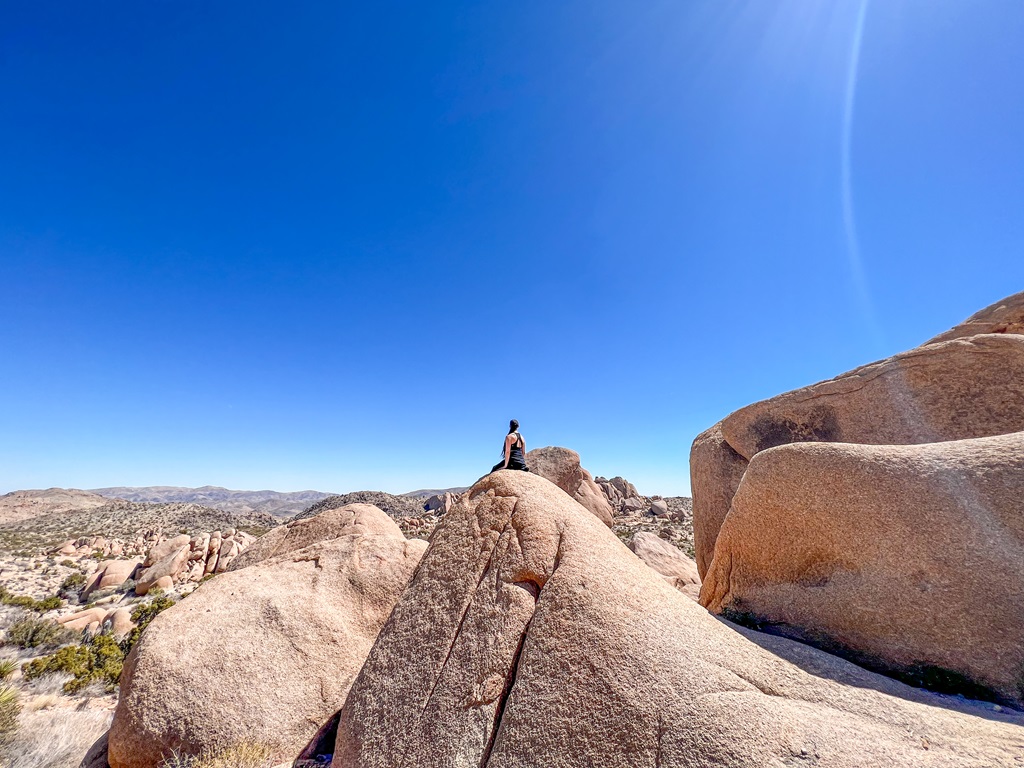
column 337, row 246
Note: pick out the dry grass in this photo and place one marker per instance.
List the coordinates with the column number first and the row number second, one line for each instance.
column 55, row 738
column 47, row 685
column 245, row 755
column 35, row 703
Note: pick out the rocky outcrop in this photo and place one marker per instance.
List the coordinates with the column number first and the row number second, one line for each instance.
column 562, row 467
column 285, row 638
column 950, row 390
column 530, row 636
column 343, row 521
column 622, row 495
column 109, row 575
column 907, row 558
column 863, row 513
column 440, row 502
column 677, row 569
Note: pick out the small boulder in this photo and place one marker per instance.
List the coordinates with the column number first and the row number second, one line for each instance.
column 561, row 466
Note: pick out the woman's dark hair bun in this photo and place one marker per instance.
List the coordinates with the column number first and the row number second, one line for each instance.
column 513, row 425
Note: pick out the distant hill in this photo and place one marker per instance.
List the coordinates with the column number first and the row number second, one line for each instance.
column 123, row 519
column 394, row 506
column 22, row 505
column 426, row 493
column 274, row 503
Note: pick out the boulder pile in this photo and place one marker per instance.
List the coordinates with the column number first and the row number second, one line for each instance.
column 622, row 495
column 878, row 514
column 531, row 636
column 165, row 562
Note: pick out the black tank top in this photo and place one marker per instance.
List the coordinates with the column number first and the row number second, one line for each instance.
column 515, row 453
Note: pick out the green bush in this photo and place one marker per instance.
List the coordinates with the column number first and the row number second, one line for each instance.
column 32, row 632
column 74, row 582
column 142, row 616
column 99, row 660
column 23, row 601
column 9, row 709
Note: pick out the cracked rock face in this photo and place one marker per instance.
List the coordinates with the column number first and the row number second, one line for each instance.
column 530, row 636
column 264, row 653
column 877, row 514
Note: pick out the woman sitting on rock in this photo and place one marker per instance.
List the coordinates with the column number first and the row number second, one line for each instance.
column 514, row 451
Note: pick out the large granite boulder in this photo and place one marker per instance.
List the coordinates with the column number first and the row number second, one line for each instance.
column 908, row 558
column 331, row 524
column 530, row 636
column 949, row 390
column 264, row 653
column 562, row 467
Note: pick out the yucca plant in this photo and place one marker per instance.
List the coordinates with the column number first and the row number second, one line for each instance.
column 7, row 668
column 10, row 706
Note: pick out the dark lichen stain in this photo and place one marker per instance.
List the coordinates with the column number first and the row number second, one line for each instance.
column 819, row 425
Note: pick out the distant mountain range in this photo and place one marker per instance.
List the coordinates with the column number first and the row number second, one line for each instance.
column 276, row 503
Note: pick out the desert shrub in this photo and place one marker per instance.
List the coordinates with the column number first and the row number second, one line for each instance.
column 23, row 601
column 73, row 583
column 69, row 563
column 128, row 586
column 142, row 616
column 32, row 632
column 244, row 755
column 9, row 709
column 99, row 660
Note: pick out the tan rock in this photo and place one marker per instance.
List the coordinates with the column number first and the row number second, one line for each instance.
column 111, row 573
column 167, row 547
column 668, row 560
column 561, row 466
column 1005, row 316
column 120, row 622
column 910, row 558
column 715, row 474
column 531, row 637
column 289, row 635
column 951, row 390
column 163, row 573
column 342, row 521
column 81, row 620
column 229, row 551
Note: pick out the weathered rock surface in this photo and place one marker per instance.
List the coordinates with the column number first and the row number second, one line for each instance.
column 111, row 573
column 678, row 570
column 531, row 637
column 1005, row 316
column 163, row 571
column 951, row 390
column 561, row 466
column 285, row 638
column 342, row 521
column 911, row 558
